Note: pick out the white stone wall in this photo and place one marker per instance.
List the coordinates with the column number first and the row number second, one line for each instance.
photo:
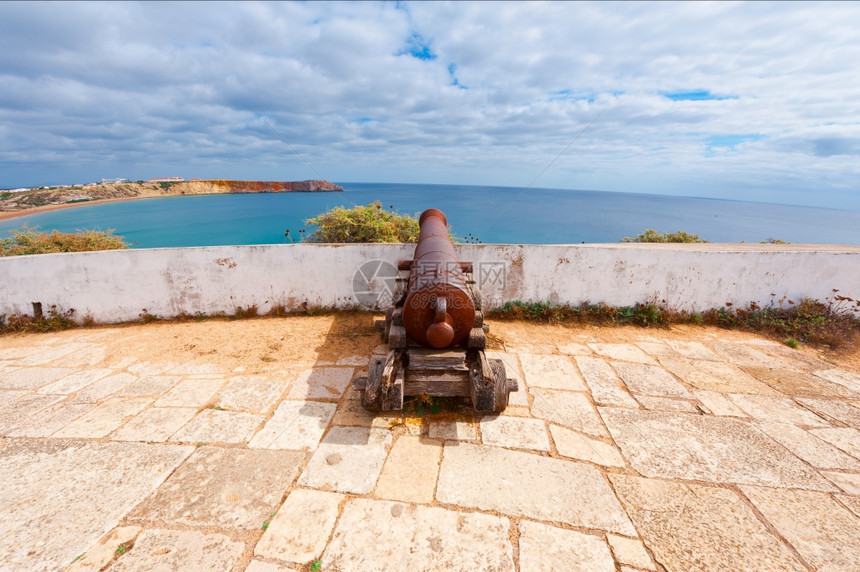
column 117, row 286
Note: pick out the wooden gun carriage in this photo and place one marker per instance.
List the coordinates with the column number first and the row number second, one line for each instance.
column 435, row 332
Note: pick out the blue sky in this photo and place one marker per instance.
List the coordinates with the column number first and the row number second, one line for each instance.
column 752, row 101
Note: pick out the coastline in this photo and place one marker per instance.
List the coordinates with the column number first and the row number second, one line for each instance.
column 7, row 215
column 128, row 191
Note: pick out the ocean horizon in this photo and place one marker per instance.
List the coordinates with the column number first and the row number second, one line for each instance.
column 487, row 214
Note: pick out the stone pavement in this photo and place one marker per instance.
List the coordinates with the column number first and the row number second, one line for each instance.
column 625, row 449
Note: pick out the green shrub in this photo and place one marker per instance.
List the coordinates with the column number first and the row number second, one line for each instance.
column 653, row 236
column 367, row 223
column 30, row 241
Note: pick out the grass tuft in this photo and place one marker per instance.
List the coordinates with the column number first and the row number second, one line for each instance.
column 250, row 311
column 833, row 323
column 54, row 321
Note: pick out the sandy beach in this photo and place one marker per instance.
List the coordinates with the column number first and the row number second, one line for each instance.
column 46, row 208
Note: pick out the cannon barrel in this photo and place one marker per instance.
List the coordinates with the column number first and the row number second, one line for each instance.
column 439, row 310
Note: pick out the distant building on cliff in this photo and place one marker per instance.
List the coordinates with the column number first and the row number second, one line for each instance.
column 113, row 181
column 166, row 180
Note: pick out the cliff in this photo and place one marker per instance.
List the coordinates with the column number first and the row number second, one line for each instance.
column 268, row 186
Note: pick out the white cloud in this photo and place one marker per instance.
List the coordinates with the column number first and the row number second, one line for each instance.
column 472, row 93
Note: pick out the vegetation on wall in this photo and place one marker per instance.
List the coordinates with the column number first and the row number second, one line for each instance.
column 832, row 323
column 367, row 223
column 31, row 241
column 653, row 236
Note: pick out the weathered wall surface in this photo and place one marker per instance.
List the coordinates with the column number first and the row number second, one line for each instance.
column 116, row 286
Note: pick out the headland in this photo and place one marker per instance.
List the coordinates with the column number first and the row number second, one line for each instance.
column 40, row 199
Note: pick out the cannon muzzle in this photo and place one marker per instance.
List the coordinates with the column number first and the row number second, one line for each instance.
column 439, row 310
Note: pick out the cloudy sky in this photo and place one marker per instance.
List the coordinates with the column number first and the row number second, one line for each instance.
column 755, row 101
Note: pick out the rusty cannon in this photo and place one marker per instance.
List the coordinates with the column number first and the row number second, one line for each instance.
column 435, row 332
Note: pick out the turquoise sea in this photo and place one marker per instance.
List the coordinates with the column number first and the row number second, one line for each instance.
column 491, row 214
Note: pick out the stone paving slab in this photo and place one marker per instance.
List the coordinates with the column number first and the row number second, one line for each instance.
column 383, row 535
column 234, row 488
column 820, row 529
column 151, row 369
column 577, row 446
column 88, row 355
column 716, row 376
column 545, row 548
column 192, row 393
column 692, row 350
column 160, row 549
column 650, row 380
column 622, row 352
column 409, row 473
column 105, row 418
column 776, row 410
column 717, row 404
column 105, row 386
column 214, row 426
column 24, row 408
column 51, row 354
column 32, row 377
column 348, row 460
column 321, row 383
column 522, row 484
column 847, row 439
column 18, row 353
column 553, row 372
column 789, row 357
column 104, row 552
column 252, row 394
column 746, row 356
column 575, row 349
column 704, row 448
column 260, row 566
column 49, row 484
column 295, row 425
column 151, row 385
column 834, row 409
column 75, row 381
column 847, row 379
column 692, row 527
column 606, row 387
column 454, row 430
column 667, row 404
column 811, row 449
column 8, row 396
column 630, row 551
column 848, row 482
column 515, row 433
column 204, row 370
column 50, row 420
column 572, row 410
column 156, row 424
column 852, row 502
column 301, row 528
column 798, row 383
